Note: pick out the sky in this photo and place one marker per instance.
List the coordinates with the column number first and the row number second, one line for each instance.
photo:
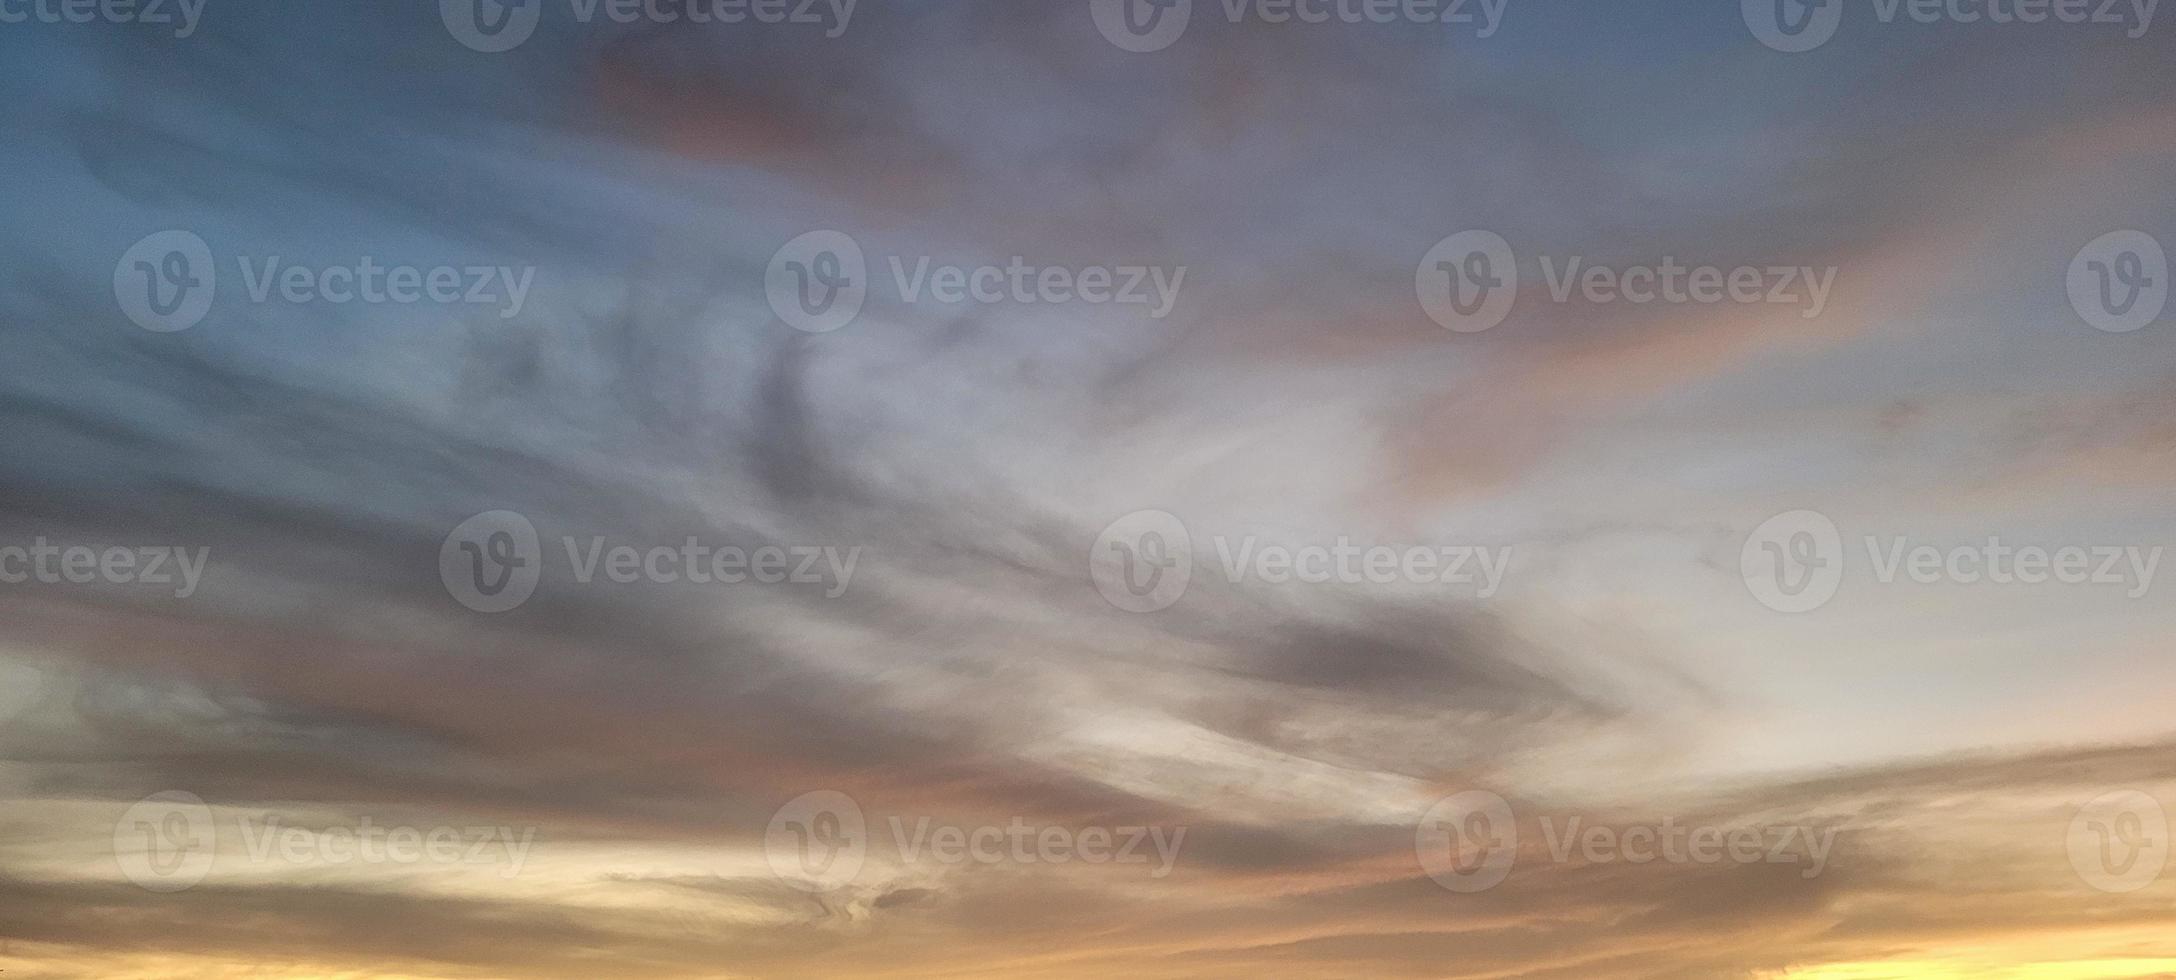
column 1067, row 488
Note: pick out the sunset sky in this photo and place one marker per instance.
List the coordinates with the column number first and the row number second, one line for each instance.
column 941, row 722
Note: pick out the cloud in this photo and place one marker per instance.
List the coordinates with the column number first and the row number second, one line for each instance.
column 972, row 675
